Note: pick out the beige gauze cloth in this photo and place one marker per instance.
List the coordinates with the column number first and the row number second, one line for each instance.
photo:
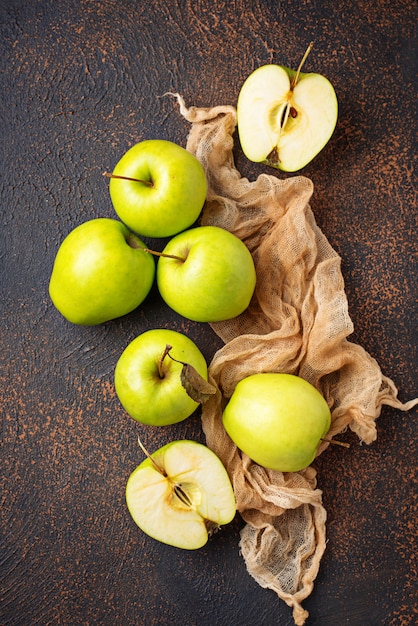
column 298, row 323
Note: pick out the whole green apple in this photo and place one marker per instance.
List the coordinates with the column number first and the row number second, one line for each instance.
column 158, row 188
column 148, row 379
column 100, row 272
column 278, row 420
column 213, row 277
column 181, row 495
column 285, row 117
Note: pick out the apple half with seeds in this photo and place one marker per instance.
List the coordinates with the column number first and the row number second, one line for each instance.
column 284, row 117
column 181, row 494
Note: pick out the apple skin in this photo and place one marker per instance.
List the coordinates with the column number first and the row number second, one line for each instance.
column 215, row 282
column 260, row 108
column 277, row 419
column 176, row 197
column 100, row 272
column 145, row 395
column 159, row 513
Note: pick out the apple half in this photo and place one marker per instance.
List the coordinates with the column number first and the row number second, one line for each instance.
column 181, row 494
column 285, row 117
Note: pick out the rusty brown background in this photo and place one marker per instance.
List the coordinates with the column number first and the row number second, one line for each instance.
column 80, row 82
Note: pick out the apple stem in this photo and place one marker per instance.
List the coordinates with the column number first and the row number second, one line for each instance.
column 172, row 358
column 133, row 242
column 165, row 255
column 160, row 362
column 289, row 110
column 148, row 183
column 153, row 461
column 305, row 56
column 337, row 443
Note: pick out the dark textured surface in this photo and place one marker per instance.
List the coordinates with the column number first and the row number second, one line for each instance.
column 80, row 82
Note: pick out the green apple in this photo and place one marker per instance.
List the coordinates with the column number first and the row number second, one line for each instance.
column 181, row 494
column 148, row 377
column 101, row 271
column 158, row 188
column 278, row 420
column 212, row 276
column 284, row 117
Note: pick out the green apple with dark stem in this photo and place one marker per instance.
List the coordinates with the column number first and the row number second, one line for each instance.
column 277, row 419
column 181, row 494
column 158, row 188
column 101, row 271
column 206, row 274
column 149, row 377
column 285, row 117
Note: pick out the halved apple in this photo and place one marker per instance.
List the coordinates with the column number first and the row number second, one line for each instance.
column 285, row 117
column 181, row 494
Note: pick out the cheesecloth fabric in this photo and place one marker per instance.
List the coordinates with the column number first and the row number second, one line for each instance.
column 298, row 323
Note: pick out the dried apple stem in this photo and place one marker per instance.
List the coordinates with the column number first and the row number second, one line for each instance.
column 336, row 443
column 153, row 461
column 168, row 348
column 161, row 361
column 133, row 242
column 305, row 56
column 166, row 256
column 148, row 183
column 288, row 109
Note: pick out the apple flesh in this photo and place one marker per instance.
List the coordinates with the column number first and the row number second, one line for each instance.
column 277, row 419
column 181, row 494
column 284, row 117
column 148, row 380
column 212, row 279
column 158, row 188
column 101, row 271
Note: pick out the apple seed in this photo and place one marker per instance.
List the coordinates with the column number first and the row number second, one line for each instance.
column 182, row 495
